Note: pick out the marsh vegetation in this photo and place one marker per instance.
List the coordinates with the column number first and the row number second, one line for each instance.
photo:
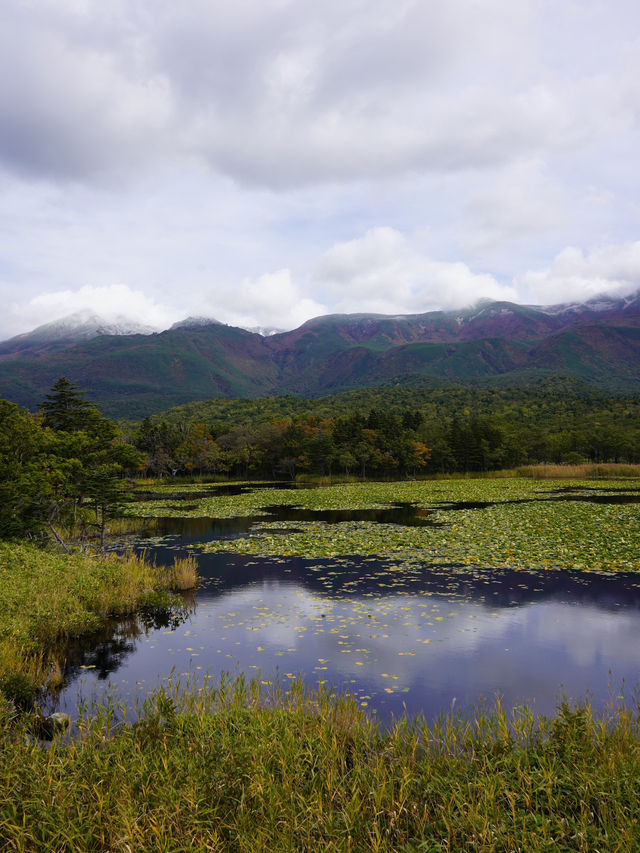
column 414, row 665
column 239, row 766
column 408, row 595
column 48, row 598
column 499, row 523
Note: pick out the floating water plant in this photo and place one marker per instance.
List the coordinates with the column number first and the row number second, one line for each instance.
column 501, row 523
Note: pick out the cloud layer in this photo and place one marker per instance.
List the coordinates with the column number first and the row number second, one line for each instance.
column 612, row 270
column 282, row 93
column 261, row 160
column 381, row 272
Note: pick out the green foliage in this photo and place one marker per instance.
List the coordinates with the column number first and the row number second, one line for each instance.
column 235, row 767
column 64, row 407
column 19, row 689
column 31, row 472
column 374, row 432
column 54, row 465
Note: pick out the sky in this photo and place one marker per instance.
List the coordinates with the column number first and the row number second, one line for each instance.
column 263, row 162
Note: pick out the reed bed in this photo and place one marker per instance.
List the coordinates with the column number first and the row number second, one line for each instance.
column 580, row 472
column 231, row 768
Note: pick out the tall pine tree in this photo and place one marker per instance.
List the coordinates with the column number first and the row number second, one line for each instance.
column 64, row 408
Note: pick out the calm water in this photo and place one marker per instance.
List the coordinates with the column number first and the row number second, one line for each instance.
column 399, row 640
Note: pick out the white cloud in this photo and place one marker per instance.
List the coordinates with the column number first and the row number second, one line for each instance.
column 574, row 275
column 382, row 273
column 189, row 150
column 110, row 302
column 271, row 300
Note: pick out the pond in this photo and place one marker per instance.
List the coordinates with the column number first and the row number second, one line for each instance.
column 401, row 637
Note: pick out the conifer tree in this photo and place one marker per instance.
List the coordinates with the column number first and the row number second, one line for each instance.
column 64, row 408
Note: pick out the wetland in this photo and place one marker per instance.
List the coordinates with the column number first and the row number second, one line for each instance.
column 414, row 597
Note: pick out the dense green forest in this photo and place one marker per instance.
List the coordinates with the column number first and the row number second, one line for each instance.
column 394, row 431
column 63, row 466
column 67, row 462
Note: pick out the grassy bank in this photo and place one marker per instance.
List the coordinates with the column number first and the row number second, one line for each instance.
column 46, row 597
column 541, row 471
column 231, row 770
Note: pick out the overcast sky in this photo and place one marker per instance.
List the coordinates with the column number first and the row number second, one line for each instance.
column 266, row 161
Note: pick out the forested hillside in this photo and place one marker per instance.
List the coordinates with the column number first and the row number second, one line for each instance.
column 492, row 343
column 394, row 431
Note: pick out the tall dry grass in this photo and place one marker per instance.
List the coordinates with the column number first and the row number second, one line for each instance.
column 183, row 575
column 46, row 596
column 606, row 471
column 230, row 768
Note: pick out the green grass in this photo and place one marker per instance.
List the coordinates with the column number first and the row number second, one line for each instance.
column 247, row 767
column 230, row 769
column 46, row 597
column 521, row 528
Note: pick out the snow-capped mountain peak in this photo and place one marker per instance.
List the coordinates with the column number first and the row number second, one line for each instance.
column 83, row 326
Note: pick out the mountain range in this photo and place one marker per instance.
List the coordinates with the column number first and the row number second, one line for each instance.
column 130, row 371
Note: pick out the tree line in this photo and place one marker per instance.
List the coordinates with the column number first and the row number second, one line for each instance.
column 66, row 464
column 63, row 466
column 372, row 444
column 403, row 443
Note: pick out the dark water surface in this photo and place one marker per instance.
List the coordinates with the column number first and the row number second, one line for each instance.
column 399, row 639
column 164, row 536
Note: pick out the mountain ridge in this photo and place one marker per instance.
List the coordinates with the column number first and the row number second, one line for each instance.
column 131, row 375
column 69, row 331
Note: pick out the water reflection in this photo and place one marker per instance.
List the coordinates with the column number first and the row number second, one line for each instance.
column 105, row 650
column 397, row 638
column 166, row 534
column 212, row 491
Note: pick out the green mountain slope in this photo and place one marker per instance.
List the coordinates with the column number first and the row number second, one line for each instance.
column 494, row 343
column 134, row 375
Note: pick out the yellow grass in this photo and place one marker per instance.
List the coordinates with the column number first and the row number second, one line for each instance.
column 579, row 472
column 47, row 596
column 183, row 574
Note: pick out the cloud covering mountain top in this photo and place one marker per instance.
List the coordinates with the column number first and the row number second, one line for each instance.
column 265, row 162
